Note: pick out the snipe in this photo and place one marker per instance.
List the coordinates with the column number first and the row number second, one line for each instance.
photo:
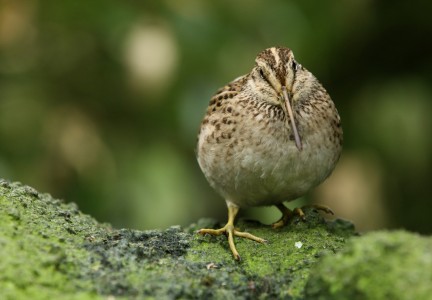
column 268, row 136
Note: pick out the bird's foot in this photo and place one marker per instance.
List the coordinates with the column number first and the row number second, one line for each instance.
column 320, row 207
column 287, row 214
column 230, row 231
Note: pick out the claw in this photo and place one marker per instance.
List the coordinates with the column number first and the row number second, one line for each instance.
column 230, row 231
column 287, row 214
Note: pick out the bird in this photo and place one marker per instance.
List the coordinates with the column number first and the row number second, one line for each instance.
column 268, row 137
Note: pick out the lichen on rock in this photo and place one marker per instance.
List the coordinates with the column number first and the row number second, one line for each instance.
column 378, row 265
column 51, row 250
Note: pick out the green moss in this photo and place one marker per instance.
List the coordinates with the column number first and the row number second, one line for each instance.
column 51, row 250
column 38, row 238
column 379, row 265
column 275, row 269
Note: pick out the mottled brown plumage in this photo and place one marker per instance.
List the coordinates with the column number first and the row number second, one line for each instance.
column 267, row 137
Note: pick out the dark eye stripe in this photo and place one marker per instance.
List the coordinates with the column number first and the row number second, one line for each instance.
column 296, row 66
column 261, row 72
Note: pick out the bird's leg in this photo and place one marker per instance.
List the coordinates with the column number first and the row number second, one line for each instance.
column 230, row 231
column 287, row 214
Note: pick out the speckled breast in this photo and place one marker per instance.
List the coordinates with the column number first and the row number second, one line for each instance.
column 252, row 160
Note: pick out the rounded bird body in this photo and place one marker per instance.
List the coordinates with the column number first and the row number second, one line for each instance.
column 246, row 146
column 271, row 135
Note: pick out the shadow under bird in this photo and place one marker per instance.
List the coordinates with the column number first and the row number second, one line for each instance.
column 267, row 137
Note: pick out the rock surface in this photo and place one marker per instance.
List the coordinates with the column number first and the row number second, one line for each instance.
column 51, row 250
column 378, row 265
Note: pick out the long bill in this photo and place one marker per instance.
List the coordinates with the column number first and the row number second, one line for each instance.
column 291, row 116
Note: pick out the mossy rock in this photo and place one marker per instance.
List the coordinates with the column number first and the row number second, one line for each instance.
column 51, row 250
column 378, row 265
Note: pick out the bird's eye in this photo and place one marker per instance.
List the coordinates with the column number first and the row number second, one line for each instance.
column 295, row 66
column 261, row 73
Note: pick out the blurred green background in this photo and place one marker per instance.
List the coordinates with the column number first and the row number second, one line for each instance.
column 100, row 101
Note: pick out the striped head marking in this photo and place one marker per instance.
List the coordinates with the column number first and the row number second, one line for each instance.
column 279, row 66
column 276, row 70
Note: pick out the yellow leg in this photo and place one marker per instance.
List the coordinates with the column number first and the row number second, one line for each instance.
column 229, row 230
column 287, row 214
